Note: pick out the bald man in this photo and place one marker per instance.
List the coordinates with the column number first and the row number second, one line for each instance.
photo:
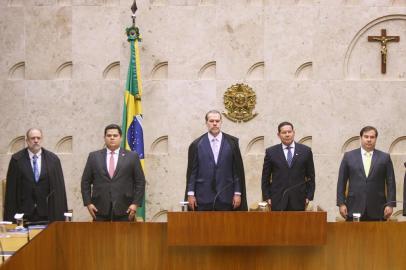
column 35, row 185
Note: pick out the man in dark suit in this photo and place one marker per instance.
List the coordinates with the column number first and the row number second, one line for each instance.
column 288, row 178
column 35, row 185
column 215, row 173
column 113, row 183
column 368, row 172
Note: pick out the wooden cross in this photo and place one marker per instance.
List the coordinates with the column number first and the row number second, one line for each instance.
column 383, row 39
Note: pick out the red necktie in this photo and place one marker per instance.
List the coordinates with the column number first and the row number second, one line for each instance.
column 111, row 165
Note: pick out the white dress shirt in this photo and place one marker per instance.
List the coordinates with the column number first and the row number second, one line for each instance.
column 115, row 156
column 215, row 141
column 363, row 154
column 285, row 149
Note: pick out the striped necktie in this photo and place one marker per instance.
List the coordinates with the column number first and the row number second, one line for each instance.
column 289, row 156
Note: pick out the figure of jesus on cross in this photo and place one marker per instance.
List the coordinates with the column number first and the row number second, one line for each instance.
column 383, row 39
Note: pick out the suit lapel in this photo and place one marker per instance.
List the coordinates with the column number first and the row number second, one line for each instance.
column 374, row 159
column 221, row 150
column 296, row 153
column 282, row 156
column 120, row 161
column 102, row 156
column 207, row 148
column 43, row 165
column 359, row 162
column 27, row 165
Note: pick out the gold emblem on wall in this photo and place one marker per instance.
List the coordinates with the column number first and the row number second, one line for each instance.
column 239, row 101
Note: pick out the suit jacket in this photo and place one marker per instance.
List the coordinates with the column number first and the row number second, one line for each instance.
column 282, row 183
column 125, row 188
column 219, row 181
column 366, row 193
column 24, row 195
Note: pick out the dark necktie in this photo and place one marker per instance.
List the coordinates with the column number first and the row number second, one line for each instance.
column 289, row 156
column 35, row 168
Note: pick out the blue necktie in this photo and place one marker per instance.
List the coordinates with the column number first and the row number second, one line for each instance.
column 35, row 167
column 289, row 156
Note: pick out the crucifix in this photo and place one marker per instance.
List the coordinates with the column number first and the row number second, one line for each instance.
column 383, row 39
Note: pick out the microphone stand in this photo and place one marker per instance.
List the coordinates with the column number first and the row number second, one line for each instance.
column 292, row 188
column 218, row 193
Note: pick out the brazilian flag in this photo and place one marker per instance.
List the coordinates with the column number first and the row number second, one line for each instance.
column 133, row 138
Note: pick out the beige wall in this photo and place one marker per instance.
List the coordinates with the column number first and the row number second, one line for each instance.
column 63, row 67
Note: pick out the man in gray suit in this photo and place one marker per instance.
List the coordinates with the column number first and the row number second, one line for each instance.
column 113, row 183
column 368, row 172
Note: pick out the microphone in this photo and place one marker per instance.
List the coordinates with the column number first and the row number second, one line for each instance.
column 292, row 188
column 49, row 195
column 221, row 191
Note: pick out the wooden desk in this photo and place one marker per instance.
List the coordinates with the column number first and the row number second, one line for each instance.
column 88, row 246
column 247, row 228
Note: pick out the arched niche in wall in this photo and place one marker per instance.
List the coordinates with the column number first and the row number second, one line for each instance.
column 308, row 140
column 305, row 71
column 64, row 71
column 160, row 71
column 16, row 145
column 112, row 71
column 256, row 71
column 65, row 145
column 398, row 147
column 17, row 72
column 351, row 144
column 208, row 71
column 256, row 146
column 161, row 216
column 160, row 146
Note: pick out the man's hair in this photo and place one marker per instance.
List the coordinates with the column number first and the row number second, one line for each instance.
column 211, row 111
column 112, row 126
column 31, row 129
column 368, row 128
column 284, row 124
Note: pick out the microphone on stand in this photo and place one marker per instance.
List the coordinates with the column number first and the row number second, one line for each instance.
column 49, row 195
column 292, row 188
column 221, row 191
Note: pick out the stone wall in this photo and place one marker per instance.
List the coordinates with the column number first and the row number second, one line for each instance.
column 63, row 66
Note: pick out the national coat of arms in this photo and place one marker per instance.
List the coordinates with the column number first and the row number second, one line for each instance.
column 239, row 101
